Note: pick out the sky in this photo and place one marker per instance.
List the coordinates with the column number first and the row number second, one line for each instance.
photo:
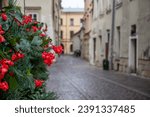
column 73, row 3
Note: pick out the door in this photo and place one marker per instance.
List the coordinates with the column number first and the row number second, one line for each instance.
column 133, row 58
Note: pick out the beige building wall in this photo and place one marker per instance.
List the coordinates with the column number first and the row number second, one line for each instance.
column 131, row 50
column 43, row 11
column 66, row 27
column 56, row 20
column 87, row 24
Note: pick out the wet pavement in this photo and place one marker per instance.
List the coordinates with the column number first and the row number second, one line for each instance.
column 75, row 79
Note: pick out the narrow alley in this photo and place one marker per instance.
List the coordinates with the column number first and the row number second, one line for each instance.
column 75, row 79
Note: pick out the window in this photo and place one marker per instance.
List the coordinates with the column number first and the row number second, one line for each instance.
column 71, row 22
column 34, row 16
column 61, row 21
column 133, row 30
column 71, row 34
column 119, row 40
column 61, row 34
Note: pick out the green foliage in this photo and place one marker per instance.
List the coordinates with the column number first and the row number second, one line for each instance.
column 29, row 68
column 27, row 94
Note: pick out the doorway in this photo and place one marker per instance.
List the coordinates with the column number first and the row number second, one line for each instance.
column 107, row 45
column 94, row 49
column 133, row 55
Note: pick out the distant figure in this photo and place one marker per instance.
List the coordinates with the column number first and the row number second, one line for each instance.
column 77, row 53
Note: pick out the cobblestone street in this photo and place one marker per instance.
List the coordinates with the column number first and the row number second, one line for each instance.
column 73, row 79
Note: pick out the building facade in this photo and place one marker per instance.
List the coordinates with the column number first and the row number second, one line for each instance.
column 77, row 40
column 130, row 50
column 70, row 24
column 47, row 12
column 56, row 19
column 87, row 24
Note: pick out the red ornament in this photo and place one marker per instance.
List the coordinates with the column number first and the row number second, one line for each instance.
column 4, row 86
column 26, row 19
column 2, row 39
column 42, row 35
column 17, row 56
column 4, row 66
column 38, row 83
column 48, row 58
column 6, row 61
column 34, row 28
column 4, row 16
column 58, row 49
column 4, row 69
column 1, row 30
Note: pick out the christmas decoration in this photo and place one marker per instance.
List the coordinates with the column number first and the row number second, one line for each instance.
column 24, row 56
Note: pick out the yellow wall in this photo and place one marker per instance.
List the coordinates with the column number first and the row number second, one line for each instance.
column 66, row 28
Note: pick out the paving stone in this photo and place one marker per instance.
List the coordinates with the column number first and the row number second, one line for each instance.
column 75, row 79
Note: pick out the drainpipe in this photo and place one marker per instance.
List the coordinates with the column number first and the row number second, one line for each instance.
column 112, row 33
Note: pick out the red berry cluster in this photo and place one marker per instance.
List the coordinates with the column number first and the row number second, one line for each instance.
column 38, row 83
column 4, row 67
column 26, row 19
column 17, row 56
column 1, row 30
column 35, row 29
column 2, row 39
column 58, row 49
column 42, row 35
column 48, row 58
column 4, row 86
column 4, row 16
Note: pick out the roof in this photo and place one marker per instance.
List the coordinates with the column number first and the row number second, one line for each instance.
column 73, row 10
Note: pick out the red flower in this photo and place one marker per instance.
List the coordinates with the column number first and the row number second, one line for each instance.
column 17, row 56
column 4, row 86
column 6, row 61
column 48, row 58
column 1, row 30
column 20, row 56
column 4, row 66
column 35, row 28
column 2, row 39
column 4, row 16
column 42, row 35
column 38, row 83
column 26, row 19
column 14, row 57
column 58, row 49
column 4, row 69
